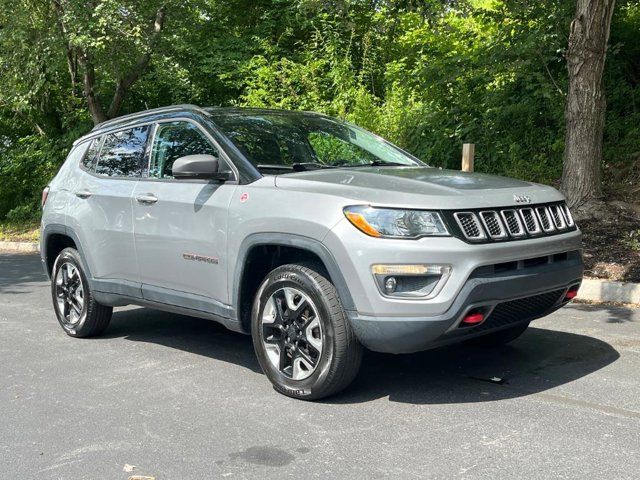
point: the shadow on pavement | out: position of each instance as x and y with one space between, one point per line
190 334
18 269
539 360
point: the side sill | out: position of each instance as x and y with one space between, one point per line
117 300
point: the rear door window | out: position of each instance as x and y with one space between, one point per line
123 153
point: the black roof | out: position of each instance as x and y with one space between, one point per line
148 113
192 109
188 110
247 171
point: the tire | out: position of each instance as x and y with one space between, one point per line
501 337
77 311
322 355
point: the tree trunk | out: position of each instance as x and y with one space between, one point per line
586 104
89 80
125 83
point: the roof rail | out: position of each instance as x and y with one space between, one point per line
144 113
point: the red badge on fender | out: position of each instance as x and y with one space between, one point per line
244 197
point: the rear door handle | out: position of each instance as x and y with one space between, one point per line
83 193
148 199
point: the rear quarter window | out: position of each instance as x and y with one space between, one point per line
123 153
91 157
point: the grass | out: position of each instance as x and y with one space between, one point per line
20 232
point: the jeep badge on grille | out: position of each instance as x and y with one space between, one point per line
522 198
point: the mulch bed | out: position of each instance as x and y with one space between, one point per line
612 247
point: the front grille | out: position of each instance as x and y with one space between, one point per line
492 223
558 217
512 266
470 226
519 310
567 215
530 221
510 223
545 219
514 225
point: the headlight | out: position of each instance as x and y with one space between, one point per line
395 223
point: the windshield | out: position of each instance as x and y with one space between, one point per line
281 143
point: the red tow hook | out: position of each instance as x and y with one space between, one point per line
472 318
572 293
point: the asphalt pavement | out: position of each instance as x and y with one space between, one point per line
174 397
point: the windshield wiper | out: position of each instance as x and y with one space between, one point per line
377 163
295 167
271 166
305 166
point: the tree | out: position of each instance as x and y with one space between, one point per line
120 21
427 74
586 103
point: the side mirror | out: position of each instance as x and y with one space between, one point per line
200 166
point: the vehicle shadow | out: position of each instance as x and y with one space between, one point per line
539 360
190 334
16 270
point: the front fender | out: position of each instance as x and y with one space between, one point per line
290 240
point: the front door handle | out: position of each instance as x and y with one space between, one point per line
83 193
148 199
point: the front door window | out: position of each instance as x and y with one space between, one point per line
174 140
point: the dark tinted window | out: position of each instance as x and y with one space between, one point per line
90 158
122 153
174 140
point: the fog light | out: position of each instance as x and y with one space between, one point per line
410 269
390 285
410 280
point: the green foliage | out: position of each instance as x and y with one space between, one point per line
632 240
487 72
26 165
428 75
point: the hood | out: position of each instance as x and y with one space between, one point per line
418 186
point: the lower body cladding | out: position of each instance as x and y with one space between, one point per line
493 298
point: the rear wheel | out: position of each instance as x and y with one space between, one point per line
78 313
501 337
302 338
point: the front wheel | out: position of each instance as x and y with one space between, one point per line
302 338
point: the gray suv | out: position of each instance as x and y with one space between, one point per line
311 234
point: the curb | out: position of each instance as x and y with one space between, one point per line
19 247
591 290
596 290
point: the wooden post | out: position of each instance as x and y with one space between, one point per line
468 152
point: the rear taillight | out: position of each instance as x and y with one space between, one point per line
45 194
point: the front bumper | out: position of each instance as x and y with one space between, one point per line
542 290
408 325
